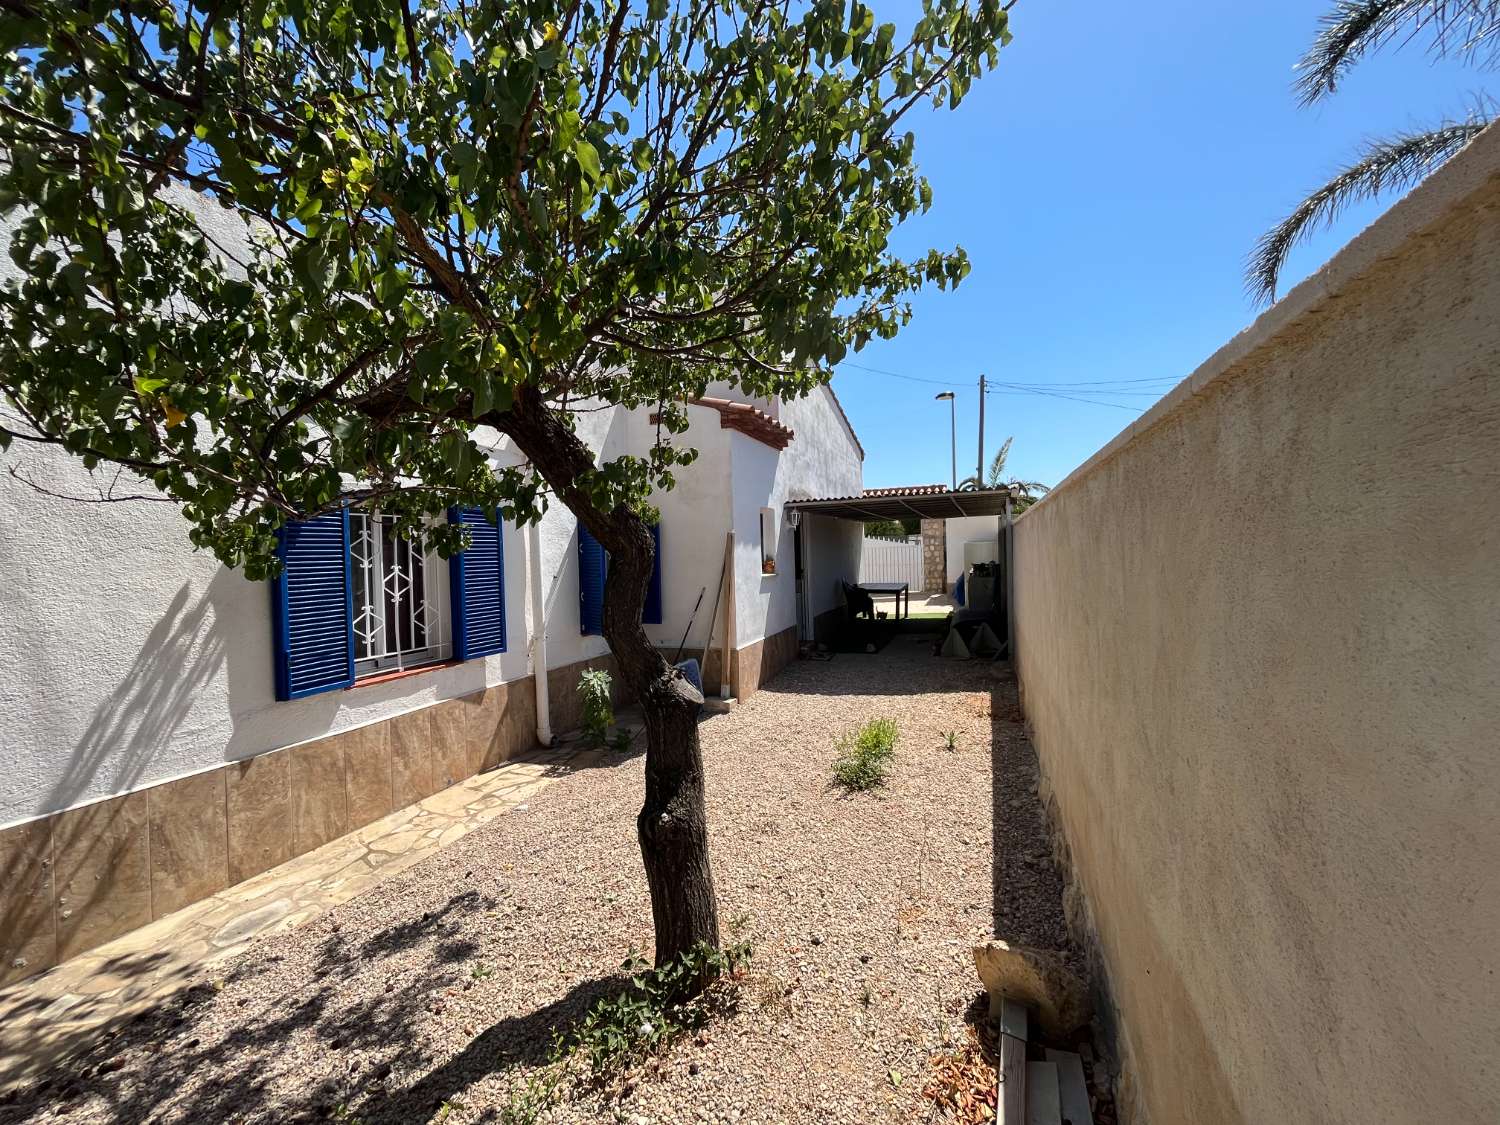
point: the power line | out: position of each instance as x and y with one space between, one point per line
1046 389
898 375
1065 384
1076 398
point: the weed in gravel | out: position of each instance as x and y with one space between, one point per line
769 994
481 971
950 741
626 1028
593 686
864 755
532 1096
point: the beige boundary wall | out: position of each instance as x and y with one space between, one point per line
1259 645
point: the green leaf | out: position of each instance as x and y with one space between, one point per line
588 160
456 452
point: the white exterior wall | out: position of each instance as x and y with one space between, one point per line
823 459
606 432
134 659
834 547
967 529
131 659
695 517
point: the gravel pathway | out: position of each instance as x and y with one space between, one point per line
434 994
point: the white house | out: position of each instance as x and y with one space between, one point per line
150 755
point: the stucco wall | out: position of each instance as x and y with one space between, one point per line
131 659
833 547
134 659
695 517
823 459
1259 645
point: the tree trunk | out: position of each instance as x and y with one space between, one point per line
673 824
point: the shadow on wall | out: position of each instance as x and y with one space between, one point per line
152 700
116 753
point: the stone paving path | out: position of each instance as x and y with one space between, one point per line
46 1017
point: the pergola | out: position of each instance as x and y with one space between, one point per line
926 501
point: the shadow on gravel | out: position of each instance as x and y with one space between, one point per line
403 935
130 1071
1028 898
522 1041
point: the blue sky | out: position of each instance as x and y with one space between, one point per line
1107 180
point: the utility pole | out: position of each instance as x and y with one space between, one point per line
979 472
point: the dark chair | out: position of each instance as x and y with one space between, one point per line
858 601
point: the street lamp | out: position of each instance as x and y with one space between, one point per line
952 431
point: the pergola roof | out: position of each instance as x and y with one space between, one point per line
927 501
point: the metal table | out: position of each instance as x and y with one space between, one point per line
900 589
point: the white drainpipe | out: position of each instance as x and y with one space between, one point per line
538 633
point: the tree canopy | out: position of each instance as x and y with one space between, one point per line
460 213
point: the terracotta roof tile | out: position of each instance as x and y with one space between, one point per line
747 419
908 490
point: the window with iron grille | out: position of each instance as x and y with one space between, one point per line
400 598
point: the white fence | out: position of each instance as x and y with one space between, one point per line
892 560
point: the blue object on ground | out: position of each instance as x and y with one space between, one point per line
691 673
958 590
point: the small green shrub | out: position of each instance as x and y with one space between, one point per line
950 741
864 755
626 1028
533 1096
593 686
622 741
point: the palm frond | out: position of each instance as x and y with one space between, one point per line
1467 29
1386 165
997 463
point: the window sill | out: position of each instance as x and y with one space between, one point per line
385 677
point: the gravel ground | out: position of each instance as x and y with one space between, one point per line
434 995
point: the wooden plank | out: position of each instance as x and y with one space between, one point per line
1072 1087
726 689
1013 1019
1012 1101
1043 1106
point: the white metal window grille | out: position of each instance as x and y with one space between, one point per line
400 598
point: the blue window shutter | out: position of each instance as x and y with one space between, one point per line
652 613
312 607
476 586
591 565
